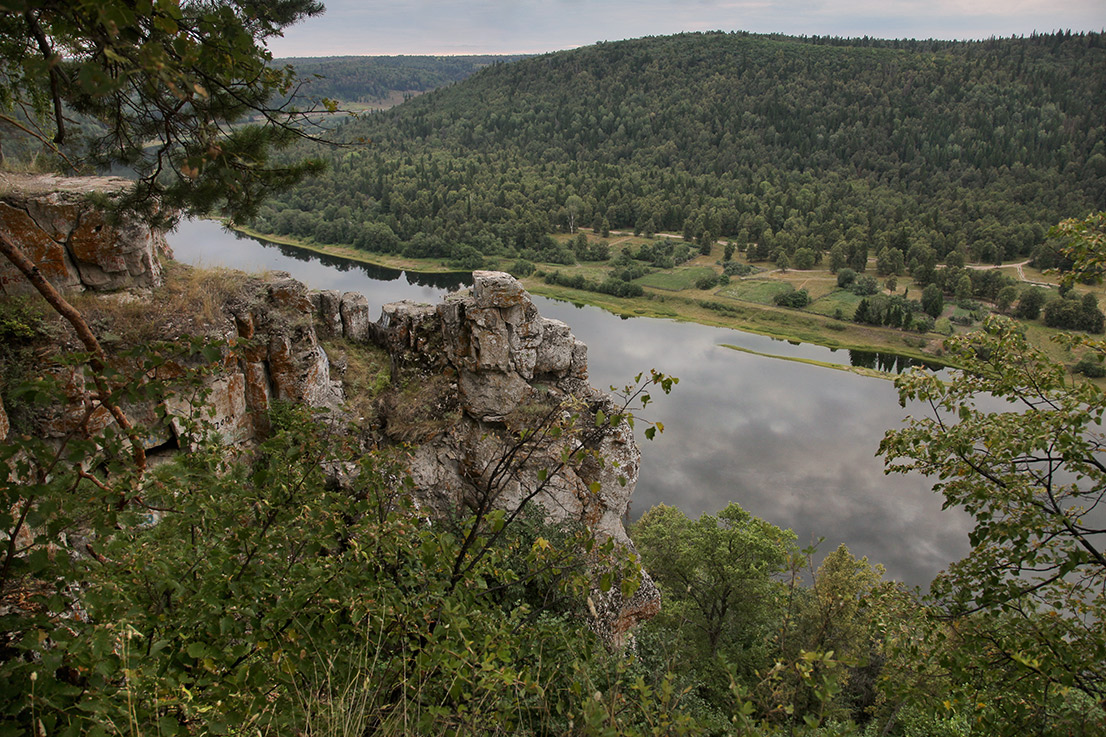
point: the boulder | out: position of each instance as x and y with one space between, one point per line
50 255
498 289
328 313
222 408
490 396
554 353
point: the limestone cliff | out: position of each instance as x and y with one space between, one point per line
472 380
53 221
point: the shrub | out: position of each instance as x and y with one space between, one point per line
1091 366
522 268
864 286
795 298
845 278
736 268
707 282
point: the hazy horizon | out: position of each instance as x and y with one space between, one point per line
479 27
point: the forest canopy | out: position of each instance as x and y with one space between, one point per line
774 142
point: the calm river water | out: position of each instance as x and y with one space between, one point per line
792 443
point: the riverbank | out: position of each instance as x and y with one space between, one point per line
702 307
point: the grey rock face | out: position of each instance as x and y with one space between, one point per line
328 313
51 219
354 311
515 370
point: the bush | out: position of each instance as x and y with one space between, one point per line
522 268
1091 366
864 286
1029 306
795 299
805 258
1074 314
736 268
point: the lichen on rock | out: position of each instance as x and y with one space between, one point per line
54 221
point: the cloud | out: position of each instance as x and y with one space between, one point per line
535 26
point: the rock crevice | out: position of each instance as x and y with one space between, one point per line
53 221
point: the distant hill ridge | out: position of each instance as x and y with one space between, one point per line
370 78
775 141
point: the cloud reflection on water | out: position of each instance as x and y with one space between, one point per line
792 443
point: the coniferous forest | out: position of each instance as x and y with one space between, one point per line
365 79
775 143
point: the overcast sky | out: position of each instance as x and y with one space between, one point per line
374 27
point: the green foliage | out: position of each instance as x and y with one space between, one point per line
1027 602
1075 314
1082 243
611 285
263 593
890 261
865 286
20 321
796 299
933 301
1006 298
1030 303
164 89
736 268
890 311
1091 366
522 268
778 144
373 78
707 282
228 591
716 579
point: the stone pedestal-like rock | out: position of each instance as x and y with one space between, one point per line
515 371
353 309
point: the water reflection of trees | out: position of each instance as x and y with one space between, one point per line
891 363
449 281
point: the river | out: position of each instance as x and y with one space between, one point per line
791 442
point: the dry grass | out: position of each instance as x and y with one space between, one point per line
191 302
366 373
420 408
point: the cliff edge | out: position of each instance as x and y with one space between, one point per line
489 399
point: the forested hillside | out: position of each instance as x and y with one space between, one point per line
370 78
777 143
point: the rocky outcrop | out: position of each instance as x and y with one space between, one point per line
270 350
53 221
491 398
513 376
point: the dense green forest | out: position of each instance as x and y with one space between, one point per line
369 78
775 143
